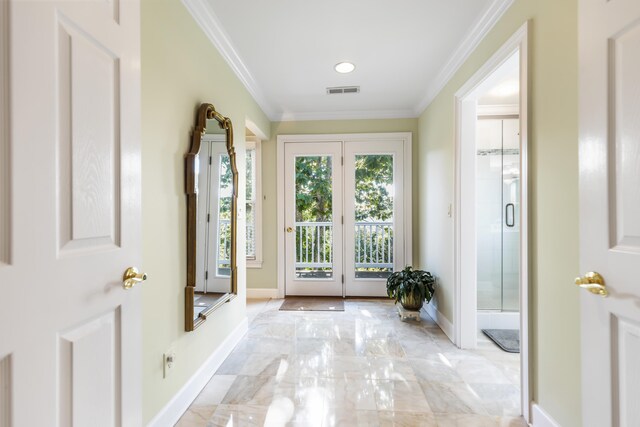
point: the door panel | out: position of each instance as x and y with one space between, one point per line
313 213
69 329
90 379
373 211
625 214
609 37
89 142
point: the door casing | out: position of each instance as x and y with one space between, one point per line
465 300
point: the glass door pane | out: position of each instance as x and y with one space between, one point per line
314 217
373 245
511 223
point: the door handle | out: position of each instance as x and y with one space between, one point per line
513 215
594 283
289 229
131 277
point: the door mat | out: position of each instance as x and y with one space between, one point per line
312 304
506 339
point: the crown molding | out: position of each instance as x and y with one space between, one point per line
478 32
348 115
206 18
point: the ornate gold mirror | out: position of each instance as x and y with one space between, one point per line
212 203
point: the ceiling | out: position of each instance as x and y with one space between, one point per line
284 51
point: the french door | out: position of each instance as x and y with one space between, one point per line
344 216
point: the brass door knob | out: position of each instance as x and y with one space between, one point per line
594 283
131 277
289 229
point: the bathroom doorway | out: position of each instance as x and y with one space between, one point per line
491 271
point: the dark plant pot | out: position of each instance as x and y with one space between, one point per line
411 301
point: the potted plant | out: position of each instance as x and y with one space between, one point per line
411 287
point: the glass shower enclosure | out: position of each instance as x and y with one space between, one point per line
498 214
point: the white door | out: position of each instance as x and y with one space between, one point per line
70 213
373 215
610 210
313 219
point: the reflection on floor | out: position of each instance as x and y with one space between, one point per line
360 367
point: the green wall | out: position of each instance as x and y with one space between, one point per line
180 70
553 142
266 277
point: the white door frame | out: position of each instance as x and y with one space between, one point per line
465 291
406 137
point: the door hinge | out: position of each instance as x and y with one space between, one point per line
342 161
210 159
343 278
206 275
208 217
342 219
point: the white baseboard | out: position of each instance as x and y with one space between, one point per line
262 293
540 418
442 321
172 411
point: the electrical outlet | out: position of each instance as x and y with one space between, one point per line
168 362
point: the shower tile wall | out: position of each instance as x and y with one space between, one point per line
498 171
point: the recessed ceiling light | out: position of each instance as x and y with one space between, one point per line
344 67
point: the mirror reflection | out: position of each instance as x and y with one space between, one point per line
213 247
211 192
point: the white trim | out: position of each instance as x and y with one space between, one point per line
252 263
407 137
499 110
255 129
173 410
440 319
478 32
465 306
348 115
498 320
256 143
262 293
205 17
202 12
5 138
539 418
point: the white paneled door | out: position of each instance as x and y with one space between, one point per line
70 334
610 211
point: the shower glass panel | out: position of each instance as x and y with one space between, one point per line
498 214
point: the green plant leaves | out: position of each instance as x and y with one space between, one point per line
409 281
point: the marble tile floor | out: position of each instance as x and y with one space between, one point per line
360 367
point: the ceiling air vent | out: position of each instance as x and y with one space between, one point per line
343 89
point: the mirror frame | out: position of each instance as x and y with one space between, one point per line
207 112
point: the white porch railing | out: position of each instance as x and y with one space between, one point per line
224 236
314 245
373 245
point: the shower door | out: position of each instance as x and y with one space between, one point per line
498 214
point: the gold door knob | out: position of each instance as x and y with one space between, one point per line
594 283
131 277
289 229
